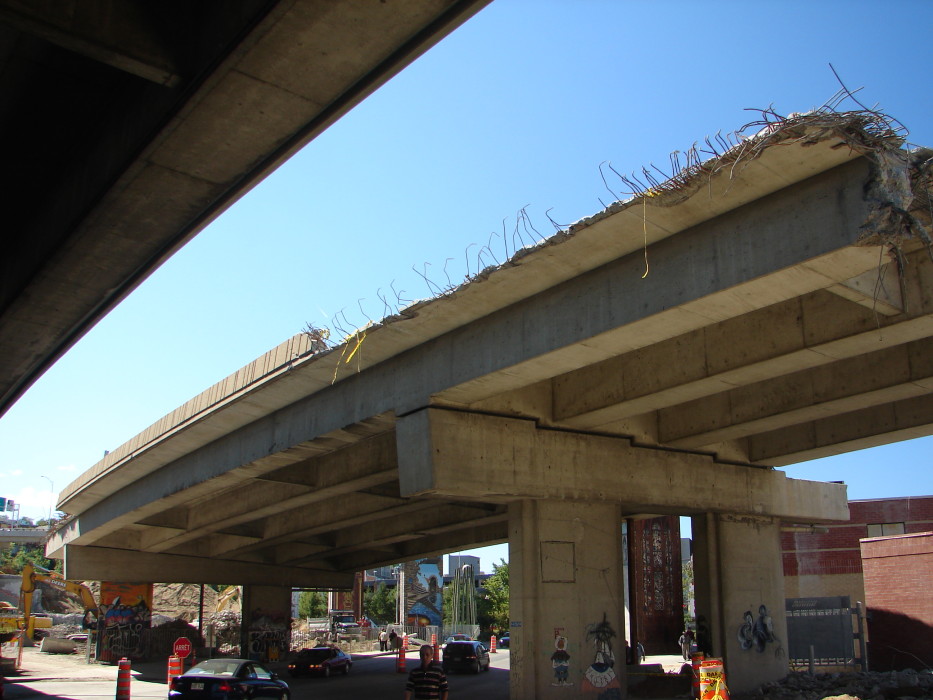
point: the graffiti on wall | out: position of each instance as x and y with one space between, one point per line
125 619
599 679
560 662
268 636
423 597
756 634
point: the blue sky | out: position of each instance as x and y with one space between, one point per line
518 107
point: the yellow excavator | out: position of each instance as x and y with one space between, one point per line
28 587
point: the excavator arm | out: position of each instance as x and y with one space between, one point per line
28 587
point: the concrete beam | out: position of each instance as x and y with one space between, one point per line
433 545
787 337
869 427
473 456
870 379
122 565
344 512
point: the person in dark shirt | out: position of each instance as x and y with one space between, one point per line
428 681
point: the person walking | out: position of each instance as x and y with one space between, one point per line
428 681
383 639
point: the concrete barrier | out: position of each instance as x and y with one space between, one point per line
50 645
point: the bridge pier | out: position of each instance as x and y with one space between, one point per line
265 632
739 586
565 577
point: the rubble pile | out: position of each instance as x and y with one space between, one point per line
872 685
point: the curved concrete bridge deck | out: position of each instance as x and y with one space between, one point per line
772 327
786 313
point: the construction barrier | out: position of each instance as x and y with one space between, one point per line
696 658
437 651
492 644
123 679
174 668
713 680
400 665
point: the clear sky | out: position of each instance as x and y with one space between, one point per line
518 107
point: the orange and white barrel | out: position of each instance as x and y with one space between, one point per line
123 679
492 644
174 668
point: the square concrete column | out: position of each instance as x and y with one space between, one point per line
567 606
265 632
739 582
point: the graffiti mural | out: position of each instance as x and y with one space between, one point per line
758 633
599 679
125 620
560 662
423 586
268 636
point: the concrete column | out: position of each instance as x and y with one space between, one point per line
565 576
265 632
740 596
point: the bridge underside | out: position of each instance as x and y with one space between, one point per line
786 314
128 126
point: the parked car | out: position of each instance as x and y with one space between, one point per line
504 642
456 638
320 660
228 679
465 656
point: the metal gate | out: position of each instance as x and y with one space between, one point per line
820 631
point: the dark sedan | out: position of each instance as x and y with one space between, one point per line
228 679
320 660
465 656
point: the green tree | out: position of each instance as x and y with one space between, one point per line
379 604
312 604
689 594
493 608
13 560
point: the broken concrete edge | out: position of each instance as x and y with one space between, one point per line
864 133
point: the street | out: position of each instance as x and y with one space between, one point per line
69 678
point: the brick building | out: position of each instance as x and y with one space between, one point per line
898 571
828 561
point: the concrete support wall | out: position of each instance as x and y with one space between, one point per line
266 629
566 587
740 597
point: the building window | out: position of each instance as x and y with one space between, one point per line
885 529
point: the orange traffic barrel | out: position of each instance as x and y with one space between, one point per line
123 679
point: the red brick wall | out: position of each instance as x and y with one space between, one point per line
837 551
898 572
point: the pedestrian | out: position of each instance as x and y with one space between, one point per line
383 639
428 681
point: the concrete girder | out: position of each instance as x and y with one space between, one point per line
790 336
118 37
345 511
205 475
253 501
433 545
124 565
866 380
869 427
466 455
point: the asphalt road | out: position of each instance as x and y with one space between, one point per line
69 678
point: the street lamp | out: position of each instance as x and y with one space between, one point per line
51 498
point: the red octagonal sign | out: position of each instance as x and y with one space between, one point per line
181 647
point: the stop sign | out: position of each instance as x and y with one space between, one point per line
182 647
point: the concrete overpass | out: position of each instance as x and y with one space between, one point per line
128 126
768 306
